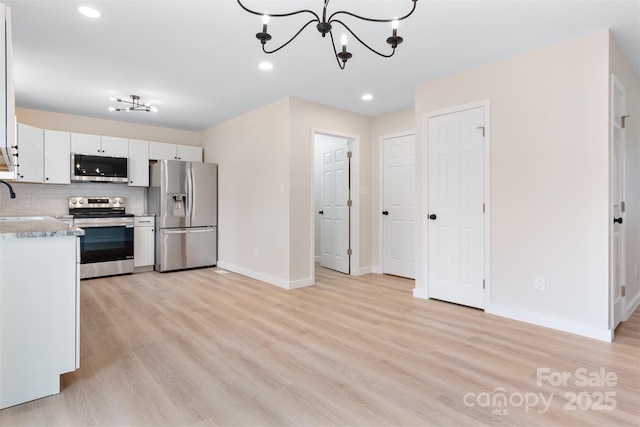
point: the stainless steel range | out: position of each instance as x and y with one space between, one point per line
106 248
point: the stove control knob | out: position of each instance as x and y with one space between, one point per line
73 201
81 201
117 201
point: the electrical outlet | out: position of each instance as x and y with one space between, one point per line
540 283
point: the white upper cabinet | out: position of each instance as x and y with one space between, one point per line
30 165
97 145
189 153
115 147
7 94
164 151
86 144
57 157
44 155
138 163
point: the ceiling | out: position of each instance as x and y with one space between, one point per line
197 60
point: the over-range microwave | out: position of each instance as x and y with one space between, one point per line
86 168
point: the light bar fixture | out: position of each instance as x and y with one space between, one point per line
325 25
133 105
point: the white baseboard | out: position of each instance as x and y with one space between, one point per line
421 293
281 283
631 307
377 269
363 271
551 322
317 258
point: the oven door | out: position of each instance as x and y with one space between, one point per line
106 247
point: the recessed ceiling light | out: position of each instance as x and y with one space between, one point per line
89 11
266 66
367 97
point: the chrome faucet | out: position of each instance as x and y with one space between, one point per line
12 195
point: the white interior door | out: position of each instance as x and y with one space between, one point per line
617 252
334 226
456 207
399 206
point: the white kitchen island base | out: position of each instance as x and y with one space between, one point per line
39 308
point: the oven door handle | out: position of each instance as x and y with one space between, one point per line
190 230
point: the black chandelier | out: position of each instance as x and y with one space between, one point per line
133 105
325 25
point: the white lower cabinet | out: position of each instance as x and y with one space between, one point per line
39 316
144 243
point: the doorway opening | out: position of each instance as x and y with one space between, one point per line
336 202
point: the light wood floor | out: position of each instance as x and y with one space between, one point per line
202 348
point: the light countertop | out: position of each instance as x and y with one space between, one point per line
36 226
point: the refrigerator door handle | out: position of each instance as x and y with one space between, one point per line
189 177
190 230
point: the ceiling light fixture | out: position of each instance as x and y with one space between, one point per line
266 66
367 97
325 25
134 104
89 11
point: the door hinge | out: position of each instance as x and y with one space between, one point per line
623 121
481 127
349 203
349 251
622 207
349 154
623 291
482 283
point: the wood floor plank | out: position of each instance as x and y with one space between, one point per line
201 348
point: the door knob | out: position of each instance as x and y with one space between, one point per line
385 212
321 212
618 220
432 216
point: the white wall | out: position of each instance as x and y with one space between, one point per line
266 181
549 180
252 151
307 117
629 78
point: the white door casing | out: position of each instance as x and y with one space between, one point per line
617 191
399 206
456 207
334 188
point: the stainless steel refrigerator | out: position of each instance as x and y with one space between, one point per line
184 198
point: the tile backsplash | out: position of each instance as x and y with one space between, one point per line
52 199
